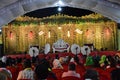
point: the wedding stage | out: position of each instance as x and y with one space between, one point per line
39 32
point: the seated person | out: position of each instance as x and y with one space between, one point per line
115 74
43 71
5 71
71 71
96 59
104 63
57 68
111 61
57 64
11 65
117 58
91 75
27 72
89 61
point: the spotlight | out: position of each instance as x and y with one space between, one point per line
59 9
0 31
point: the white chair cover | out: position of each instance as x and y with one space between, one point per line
84 51
47 48
75 49
33 51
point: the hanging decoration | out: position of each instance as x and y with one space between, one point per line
11 35
41 33
30 35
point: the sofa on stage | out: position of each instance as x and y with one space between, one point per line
60 46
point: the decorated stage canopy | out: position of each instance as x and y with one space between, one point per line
90 29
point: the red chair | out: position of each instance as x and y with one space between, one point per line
14 72
50 79
70 78
58 73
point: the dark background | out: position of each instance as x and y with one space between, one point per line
53 10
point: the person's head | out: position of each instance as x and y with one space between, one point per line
117 58
115 74
41 72
45 62
76 59
56 56
72 66
91 74
33 60
68 58
8 61
18 60
27 63
62 60
2 64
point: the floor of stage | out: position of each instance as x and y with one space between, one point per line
41 55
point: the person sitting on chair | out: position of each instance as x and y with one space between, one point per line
27 72
91 75
5 71
71 71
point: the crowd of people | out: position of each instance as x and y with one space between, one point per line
68 67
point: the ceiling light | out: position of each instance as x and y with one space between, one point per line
59 3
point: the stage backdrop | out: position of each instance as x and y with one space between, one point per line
91 29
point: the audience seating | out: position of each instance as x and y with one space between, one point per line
104 74
13 70
58 73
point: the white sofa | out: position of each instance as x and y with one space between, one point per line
60 46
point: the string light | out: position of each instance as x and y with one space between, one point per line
49 34
68 34
59 27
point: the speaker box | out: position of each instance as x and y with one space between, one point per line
1 50
118 26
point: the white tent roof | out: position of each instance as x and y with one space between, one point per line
10 9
